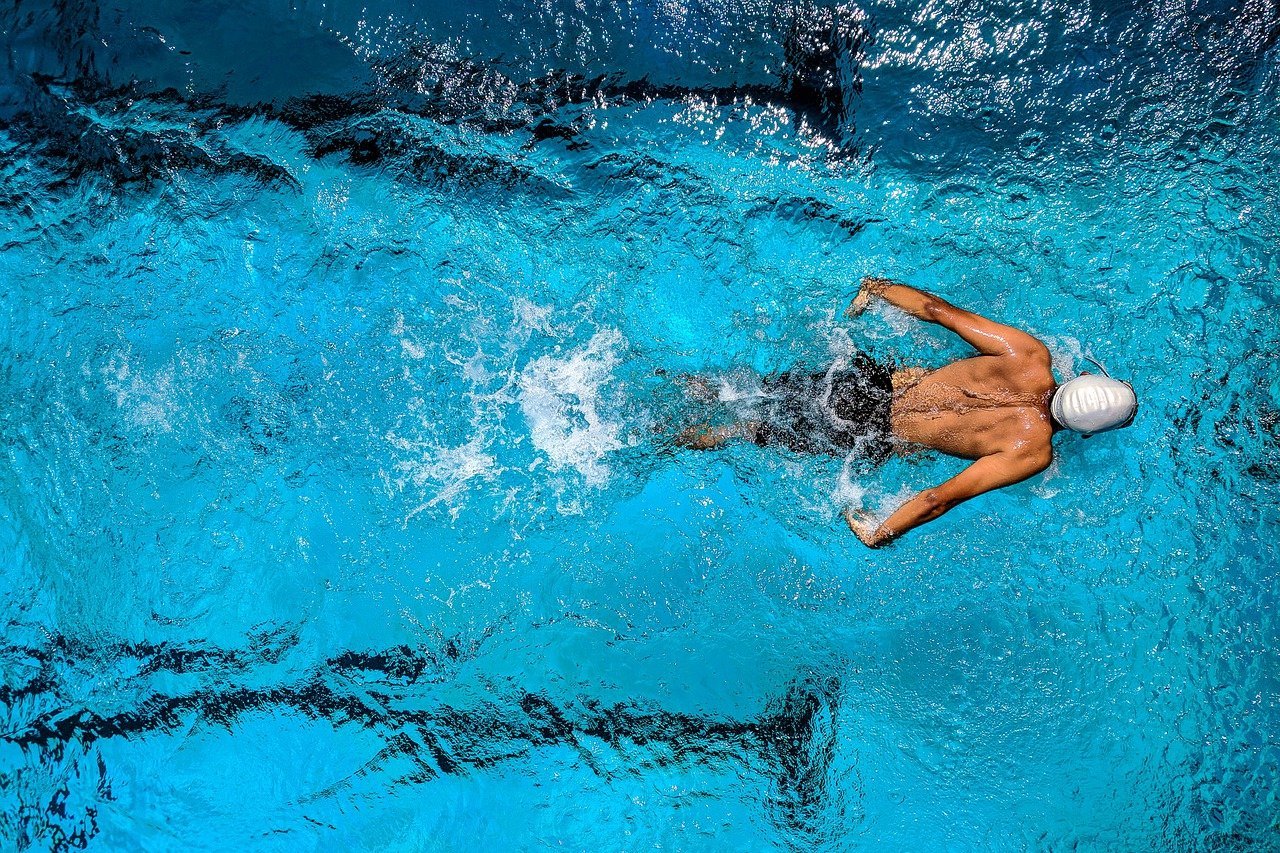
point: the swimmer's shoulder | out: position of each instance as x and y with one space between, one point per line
1031 441
1031 372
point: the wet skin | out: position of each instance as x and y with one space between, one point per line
976 407
992 408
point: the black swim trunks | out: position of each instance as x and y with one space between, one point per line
837 412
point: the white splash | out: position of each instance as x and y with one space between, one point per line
1066 353
449 471
531 316
409 342
852 494
738 388
840 345
848 492
1043 487
560 398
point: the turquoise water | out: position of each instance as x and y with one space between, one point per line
338 352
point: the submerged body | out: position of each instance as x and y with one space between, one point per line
839 411
995 408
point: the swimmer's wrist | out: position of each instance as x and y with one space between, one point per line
883 536
861 523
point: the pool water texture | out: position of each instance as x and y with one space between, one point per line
341 353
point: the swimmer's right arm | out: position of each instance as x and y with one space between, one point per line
986 336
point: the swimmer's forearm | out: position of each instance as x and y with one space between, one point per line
921 509
917 303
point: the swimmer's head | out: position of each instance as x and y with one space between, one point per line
1090 404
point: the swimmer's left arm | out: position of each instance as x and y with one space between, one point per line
988 473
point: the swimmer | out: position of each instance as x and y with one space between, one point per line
1000 408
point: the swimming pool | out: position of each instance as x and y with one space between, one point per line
338 354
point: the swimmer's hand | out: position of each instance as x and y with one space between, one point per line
863 526
869 287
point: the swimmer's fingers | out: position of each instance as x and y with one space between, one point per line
858 305
862 524
869 286
857 518
874 284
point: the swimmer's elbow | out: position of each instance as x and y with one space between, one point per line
1033 350
1035 462
936 502
935 308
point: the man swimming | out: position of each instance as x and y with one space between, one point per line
999 408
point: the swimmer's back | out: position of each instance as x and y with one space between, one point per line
978 406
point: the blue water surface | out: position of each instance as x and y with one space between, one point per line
341 345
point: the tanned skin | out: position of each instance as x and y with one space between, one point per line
992 408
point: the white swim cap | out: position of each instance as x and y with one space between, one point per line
1092 403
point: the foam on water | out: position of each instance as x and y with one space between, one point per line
562 399
148 401
449 470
